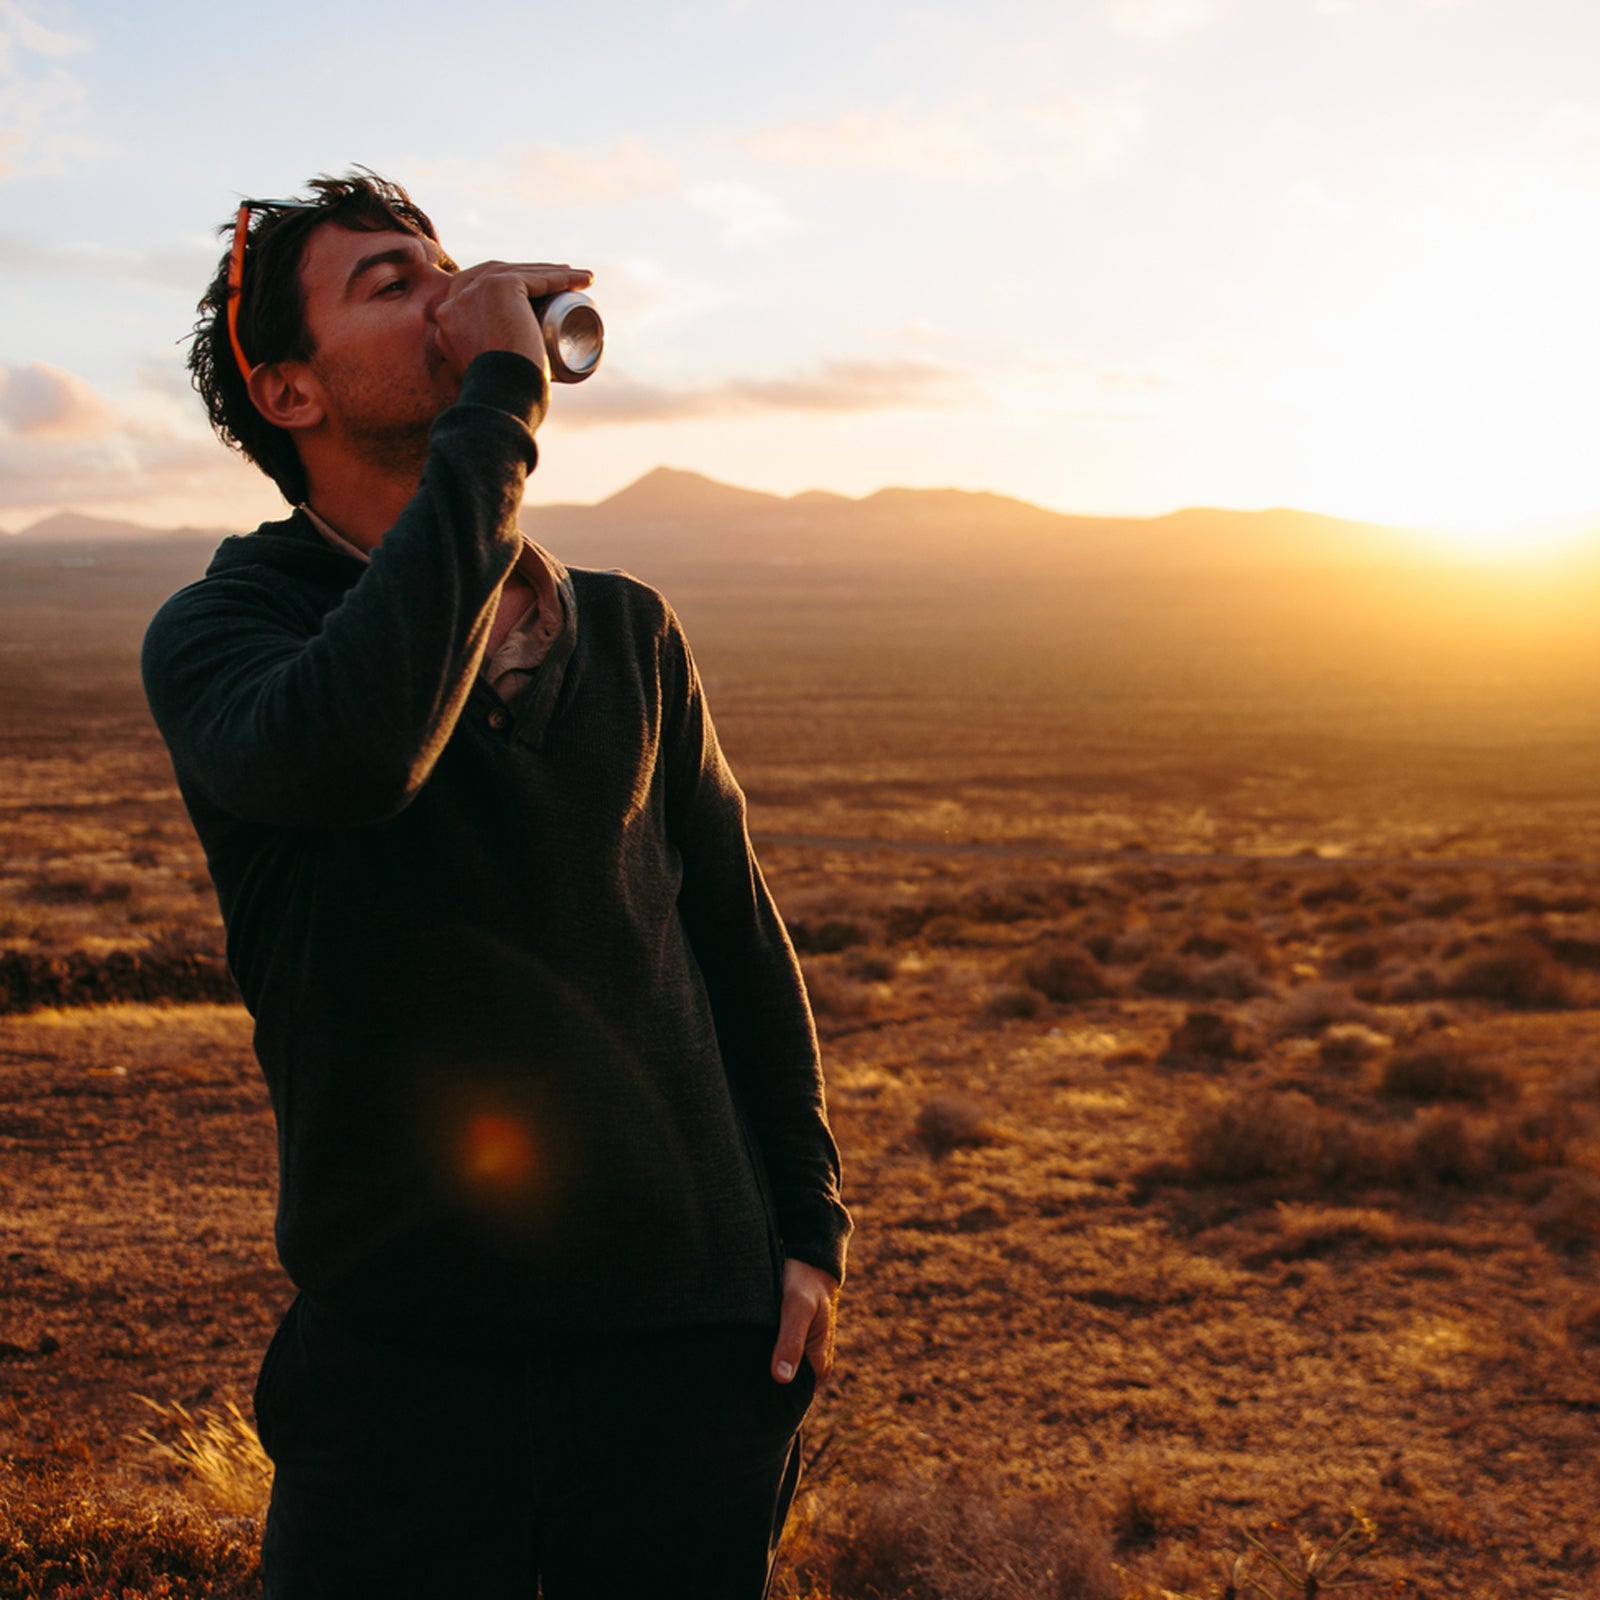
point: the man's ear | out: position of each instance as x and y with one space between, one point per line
288 395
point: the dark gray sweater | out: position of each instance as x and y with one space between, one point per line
536 1039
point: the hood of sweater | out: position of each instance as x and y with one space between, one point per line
293 547
296 548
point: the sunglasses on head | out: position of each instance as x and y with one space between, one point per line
241 237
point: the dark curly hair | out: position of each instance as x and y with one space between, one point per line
272 323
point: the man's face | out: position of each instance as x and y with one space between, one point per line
369 305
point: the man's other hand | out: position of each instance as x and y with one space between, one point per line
489 307
810 1308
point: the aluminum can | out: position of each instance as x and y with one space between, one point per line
574 335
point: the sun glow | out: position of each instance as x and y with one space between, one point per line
1438 371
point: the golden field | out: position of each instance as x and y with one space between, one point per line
1208 965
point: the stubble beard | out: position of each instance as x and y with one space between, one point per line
386 425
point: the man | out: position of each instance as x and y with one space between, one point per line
556 1182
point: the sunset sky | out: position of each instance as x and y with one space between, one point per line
1107 255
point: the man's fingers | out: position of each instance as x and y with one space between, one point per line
536 277
790 1349
489 307
805 1324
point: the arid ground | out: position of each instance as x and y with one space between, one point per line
1210 986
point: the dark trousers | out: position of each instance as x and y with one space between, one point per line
660 1464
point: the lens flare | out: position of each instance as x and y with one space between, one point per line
497 1153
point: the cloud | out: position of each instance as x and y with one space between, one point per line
1570 132
185 267
545 175
43 402
1070 141
552 177
751 218
21 27
837 388
40 101
1356 8
1163 22
62 443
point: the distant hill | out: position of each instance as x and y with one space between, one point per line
687 519
672 521
75 527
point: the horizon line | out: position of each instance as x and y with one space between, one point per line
1588 521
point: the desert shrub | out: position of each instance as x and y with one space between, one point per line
1145 1507
1130 945
1442 903
1013 903
1343 890
1544 1137
1250 1136
1568 1218
1573 945
826 936
1166 974
1362 956
957 1540
1442 1149
949 930
871 966
77 891
29 981
1203 1041
1231 977
1344 1045
833 996
949 1122
1540 896
1209 942
906 921
63 1541
1518 973
1011 1002
1315 1006
1272 1135
1066 974
1444 1071
1146 880
1399 984
1582 1321
1350 922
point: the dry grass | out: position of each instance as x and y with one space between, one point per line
967 1537
63 1540
218 1452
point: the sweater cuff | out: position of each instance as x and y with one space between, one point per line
823 1244
508 382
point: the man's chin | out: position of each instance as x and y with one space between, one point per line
396 450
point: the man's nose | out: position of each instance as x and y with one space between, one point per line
436 284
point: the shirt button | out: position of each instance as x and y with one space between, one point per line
499 718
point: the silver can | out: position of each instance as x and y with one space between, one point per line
574 335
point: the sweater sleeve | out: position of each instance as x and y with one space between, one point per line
305 721
764 1024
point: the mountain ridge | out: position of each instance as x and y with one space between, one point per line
698 519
